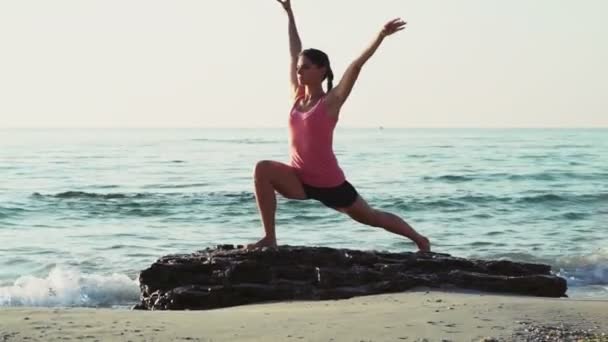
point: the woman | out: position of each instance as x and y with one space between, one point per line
314 172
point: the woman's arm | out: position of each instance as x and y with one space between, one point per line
339 94
295 44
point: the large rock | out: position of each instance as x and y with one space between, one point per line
228 276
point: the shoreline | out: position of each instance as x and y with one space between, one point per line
408 316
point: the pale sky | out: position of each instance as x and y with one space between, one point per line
149 63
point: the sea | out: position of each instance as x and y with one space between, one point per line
83 211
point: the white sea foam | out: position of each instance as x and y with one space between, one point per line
69 287
585 269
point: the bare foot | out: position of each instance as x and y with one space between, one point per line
424 245
264 242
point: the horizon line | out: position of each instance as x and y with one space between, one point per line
284 127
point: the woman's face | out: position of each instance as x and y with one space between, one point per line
309 73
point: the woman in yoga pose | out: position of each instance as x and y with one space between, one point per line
313 171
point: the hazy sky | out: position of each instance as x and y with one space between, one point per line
471 63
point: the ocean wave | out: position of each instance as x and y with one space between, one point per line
543 198
563 198
574 216
579 270
175 186
468 201
64 287
571 146
6 213
140 204
501 176
584 269
554 176
450 178
167 204
90 195
134 197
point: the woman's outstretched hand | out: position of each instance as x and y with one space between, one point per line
391 27
286 4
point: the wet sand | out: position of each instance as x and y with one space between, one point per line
410 316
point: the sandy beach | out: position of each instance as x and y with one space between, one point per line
412 316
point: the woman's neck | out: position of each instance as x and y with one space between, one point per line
313 92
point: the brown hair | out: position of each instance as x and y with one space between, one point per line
320 59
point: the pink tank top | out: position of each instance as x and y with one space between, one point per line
311 149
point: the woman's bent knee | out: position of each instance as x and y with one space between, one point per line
262 169
282 177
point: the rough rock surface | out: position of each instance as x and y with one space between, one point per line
228 276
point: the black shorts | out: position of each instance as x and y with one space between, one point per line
341 196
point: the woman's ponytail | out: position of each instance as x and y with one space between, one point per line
330 79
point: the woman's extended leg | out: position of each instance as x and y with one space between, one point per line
270 176
361 212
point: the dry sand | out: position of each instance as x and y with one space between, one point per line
409 316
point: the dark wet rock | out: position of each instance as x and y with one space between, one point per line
228 276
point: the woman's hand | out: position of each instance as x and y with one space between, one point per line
391 27
286 4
